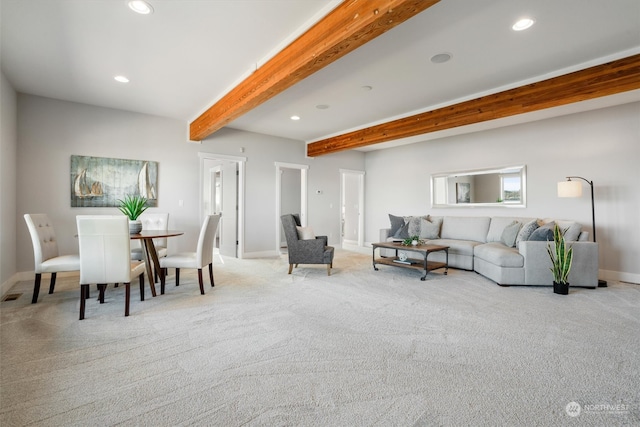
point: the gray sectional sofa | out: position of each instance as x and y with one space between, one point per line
507 250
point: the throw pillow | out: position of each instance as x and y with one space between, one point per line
305 233
428 229
510 233
544 233
403 232
525 231
414 225
396 224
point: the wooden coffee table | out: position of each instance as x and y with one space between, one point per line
416 263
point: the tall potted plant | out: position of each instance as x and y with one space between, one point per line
561 256
132 207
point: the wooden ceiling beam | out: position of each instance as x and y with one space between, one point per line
607 79
350 25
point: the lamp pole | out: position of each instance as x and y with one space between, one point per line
601 283
593 209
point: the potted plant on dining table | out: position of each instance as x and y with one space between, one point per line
133 207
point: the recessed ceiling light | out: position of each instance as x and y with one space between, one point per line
295 117
440 58
140 6
121 79
523 24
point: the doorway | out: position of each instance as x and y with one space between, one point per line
222 190
351 208
291 196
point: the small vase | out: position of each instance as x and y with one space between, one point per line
414 243
135 227
561 288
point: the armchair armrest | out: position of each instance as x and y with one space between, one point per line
324 239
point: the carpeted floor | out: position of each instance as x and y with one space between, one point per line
357 348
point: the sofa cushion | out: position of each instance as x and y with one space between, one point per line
526 231
396 224
498 254
543 233
459 247
430 229
510 233
465 228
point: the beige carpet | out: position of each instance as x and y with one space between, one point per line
358 348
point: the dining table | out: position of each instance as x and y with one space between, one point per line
150 254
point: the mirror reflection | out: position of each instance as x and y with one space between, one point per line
503 186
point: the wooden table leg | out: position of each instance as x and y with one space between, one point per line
151 256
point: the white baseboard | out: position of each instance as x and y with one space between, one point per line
263 254
619 276
4 287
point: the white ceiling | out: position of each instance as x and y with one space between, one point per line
189 53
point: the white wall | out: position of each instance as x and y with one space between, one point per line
8 156
50 131
600 145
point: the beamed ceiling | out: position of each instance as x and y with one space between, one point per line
357 72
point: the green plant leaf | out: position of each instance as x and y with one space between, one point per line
132 206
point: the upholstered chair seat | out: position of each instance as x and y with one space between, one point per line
45 252
203 256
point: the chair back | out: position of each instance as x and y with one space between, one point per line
43 237
105 251
289 223
156 221
204 252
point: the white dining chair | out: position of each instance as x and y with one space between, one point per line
152 221
202 257
45 252
105 256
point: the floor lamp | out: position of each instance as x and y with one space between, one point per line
570 188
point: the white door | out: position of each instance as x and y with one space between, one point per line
222 193
352 201
290 178
228 228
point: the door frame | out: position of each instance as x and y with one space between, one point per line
360 174
241 191
303 196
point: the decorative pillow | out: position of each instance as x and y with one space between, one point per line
430 227
510 233
403 232
305 233
570 229
414 225
526 230
429 230
396 224
544 233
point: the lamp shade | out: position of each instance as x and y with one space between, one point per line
570 189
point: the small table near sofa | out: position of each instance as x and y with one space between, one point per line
417 264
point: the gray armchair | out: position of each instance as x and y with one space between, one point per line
312 251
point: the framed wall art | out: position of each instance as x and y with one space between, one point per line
101 181
463 192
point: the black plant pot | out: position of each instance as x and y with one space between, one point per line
561 288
